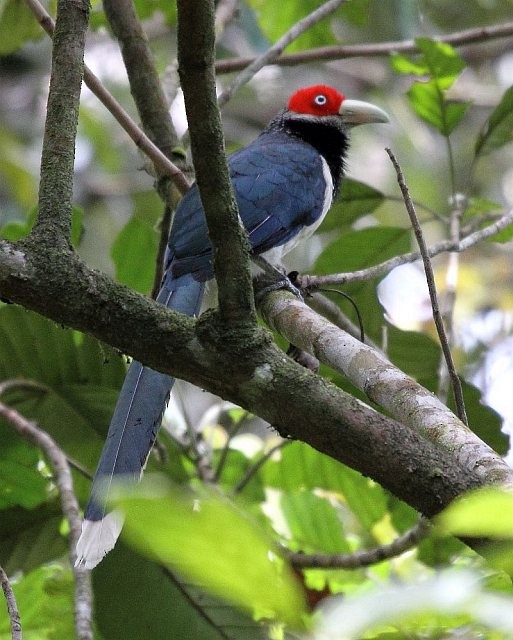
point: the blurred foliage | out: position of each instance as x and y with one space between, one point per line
452 116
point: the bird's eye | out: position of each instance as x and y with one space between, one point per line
320 100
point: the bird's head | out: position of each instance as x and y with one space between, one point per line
323 103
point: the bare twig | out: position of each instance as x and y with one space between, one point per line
314 283
31 432
258 464
364 558
451 284
456 39
275 51
226 449
430 278
12 606
161 162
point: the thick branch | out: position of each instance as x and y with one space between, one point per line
262 379
140 139
57 160
144 81
406 400
457 39
196 68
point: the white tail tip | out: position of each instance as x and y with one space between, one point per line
97 539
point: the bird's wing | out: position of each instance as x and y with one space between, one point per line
281 188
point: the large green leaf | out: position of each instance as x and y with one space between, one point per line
313 523
414 353
357 250
276 18
133 252
483 420
442 65
45 602
153 603
498 129
78 385
31 537
356 199
430 104
184 531
302 467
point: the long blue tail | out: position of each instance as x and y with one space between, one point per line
132 430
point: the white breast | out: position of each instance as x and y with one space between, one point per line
274 256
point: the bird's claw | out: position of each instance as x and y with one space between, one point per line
282 284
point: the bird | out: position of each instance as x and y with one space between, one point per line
284 183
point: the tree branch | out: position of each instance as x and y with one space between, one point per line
262 379
230 246
12 607
401 396
316 282
141 140
364 557
58 155
456 39
31 432
277 48
433 295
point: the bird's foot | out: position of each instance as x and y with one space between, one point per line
265 284
273 279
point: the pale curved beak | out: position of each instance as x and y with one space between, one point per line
356 112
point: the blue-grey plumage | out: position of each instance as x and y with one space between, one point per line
284 183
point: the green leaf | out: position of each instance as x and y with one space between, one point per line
483 420
475 514
17 26
428 101
14 231
313 523
356 199
153 603
498 129
276 18
31 537
45 602
357 250
183 531
414 353
133 253
479 206
438 60
302 467
442 61
78 385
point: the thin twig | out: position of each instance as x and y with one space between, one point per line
226 449
12 606
364 558
254 468
314 283
161 162
451 285
430 278
83 592
456 39
275 51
